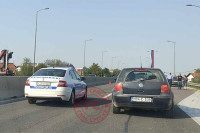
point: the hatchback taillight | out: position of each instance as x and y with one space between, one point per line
165 89
62 84
27 83
118 87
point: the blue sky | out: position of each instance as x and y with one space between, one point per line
126 29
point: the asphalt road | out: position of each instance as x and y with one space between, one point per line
55 116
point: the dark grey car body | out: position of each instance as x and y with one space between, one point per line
142 88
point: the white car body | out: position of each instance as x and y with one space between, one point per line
53 87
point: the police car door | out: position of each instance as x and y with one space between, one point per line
80 84
74 81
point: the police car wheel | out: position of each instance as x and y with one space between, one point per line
31 101
85 95
72 98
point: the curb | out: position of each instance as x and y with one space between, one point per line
12 100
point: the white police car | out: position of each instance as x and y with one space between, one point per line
55 83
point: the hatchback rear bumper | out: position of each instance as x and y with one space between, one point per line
159 102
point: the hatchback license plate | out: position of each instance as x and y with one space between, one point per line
141 99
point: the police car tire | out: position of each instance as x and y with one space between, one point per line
31 101
85 96
72 98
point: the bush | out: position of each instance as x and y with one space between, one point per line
196 80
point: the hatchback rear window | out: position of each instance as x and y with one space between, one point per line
50 72
128 75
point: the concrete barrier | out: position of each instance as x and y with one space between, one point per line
93 81
13 86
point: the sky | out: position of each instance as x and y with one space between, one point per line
126 29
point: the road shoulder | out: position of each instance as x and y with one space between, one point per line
191 106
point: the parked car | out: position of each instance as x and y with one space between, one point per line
174 81
142 88
55 83
92 75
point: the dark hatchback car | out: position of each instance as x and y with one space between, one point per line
142 88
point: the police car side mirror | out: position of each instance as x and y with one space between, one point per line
82 78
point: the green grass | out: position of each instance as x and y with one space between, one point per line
195 87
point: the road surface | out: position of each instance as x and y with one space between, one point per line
55 116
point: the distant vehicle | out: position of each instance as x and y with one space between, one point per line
55 84
174 81
142 88
92 75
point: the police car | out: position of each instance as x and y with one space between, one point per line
55 83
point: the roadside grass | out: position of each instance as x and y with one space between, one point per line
195 87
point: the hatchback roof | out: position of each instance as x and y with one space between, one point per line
143 68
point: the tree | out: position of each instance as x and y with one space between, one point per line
86 71
26 69
57 62
40 65
116 72
106 72
197 70
95 69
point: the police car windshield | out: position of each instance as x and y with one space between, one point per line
50 72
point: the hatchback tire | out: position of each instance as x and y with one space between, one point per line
116 110
170 113
31 101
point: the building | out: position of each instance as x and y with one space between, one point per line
11 67
190 76
19 68
80 71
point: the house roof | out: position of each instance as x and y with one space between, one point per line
11 66
195 74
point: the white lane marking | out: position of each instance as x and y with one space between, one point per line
107 95
191 106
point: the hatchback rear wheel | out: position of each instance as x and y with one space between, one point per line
116 110
170 113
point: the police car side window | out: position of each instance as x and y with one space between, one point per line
78 77
72 75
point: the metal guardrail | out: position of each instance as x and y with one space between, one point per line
194 84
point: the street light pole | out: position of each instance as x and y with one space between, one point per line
84 53
112 61
122 65
102 63
174 54
36 36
